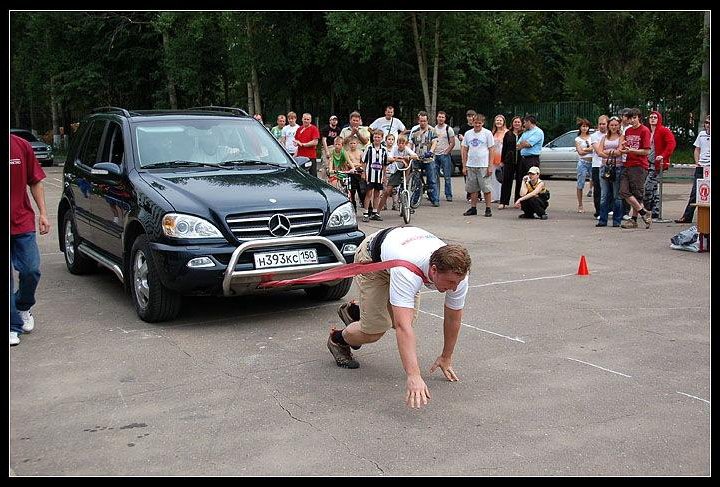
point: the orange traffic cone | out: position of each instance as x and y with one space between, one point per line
583 268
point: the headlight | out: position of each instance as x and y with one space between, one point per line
178 225
343 217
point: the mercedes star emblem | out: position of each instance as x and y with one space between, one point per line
279 225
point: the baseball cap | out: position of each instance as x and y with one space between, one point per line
534 170
333 116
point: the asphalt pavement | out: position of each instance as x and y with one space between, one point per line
560 374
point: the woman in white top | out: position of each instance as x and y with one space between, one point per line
584 148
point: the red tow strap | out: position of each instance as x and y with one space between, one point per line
347 270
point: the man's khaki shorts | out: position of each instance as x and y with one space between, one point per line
375 308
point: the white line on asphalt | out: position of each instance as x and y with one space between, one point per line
475 328
511 282
53 184
597 366
123 398
694 397
53 253
58 180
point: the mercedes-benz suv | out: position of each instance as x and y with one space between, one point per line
199 201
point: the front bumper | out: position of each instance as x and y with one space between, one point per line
233 271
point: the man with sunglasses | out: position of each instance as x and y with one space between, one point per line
702 159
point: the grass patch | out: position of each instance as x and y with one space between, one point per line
683 155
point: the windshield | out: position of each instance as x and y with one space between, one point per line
207 142
24 134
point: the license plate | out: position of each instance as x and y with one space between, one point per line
287 258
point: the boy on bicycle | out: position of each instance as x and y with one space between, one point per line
399 158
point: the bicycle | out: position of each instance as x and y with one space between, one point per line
345 183
410 194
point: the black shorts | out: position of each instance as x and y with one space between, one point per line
378 186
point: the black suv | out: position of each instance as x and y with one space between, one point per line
199 201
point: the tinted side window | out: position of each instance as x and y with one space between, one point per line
114 148
91 149
26 135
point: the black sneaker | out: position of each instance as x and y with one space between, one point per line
365 218
523 215
342 354
470 211
376 217
488 211
544 216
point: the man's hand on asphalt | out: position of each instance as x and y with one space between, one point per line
445 365
417 393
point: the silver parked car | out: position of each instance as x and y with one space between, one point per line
43 152
558 158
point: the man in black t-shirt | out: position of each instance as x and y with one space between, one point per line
328 134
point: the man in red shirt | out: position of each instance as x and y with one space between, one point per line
25 171
636 148
306 139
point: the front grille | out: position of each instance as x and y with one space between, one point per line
251 226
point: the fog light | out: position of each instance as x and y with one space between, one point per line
349 248
200 262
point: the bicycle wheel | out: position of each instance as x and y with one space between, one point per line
415 187
405 206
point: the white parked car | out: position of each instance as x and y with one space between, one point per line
558 158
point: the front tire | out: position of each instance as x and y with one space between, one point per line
405 207
416 190
77 263
330 293
153 301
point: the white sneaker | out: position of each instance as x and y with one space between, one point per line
626 217
28 321
610 213
14 338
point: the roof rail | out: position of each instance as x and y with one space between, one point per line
109 109
236 111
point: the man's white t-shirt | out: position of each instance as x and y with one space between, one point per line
289 134
393 125
478 144
703 142
415 245
595 137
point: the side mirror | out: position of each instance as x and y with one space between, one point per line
106 169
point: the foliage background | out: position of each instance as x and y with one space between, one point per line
63 64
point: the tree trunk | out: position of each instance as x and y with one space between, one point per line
256 89
422 63
32 115
436 64
251 98
172 90
55 112
705 79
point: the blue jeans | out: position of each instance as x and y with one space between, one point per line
610 196
25 258
444 162
690 209
584 170
432 181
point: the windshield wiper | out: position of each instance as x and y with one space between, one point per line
179 164
253 162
